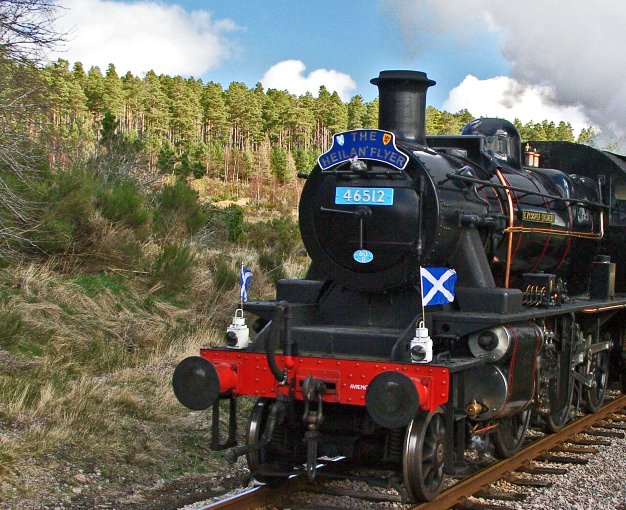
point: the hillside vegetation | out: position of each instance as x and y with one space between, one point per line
126 207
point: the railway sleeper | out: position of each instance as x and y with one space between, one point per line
609 425
604 433
364 495
540 470
589 442
558 459
475 505
526 482
490 493
574 449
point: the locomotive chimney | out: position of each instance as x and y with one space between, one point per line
402 103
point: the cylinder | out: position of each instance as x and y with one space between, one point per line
402 103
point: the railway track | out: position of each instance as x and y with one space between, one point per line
466 488
456 496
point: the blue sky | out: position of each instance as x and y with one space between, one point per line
357 38
507 58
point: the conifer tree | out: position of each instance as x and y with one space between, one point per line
95 91
113 94
357 113
133 91
371 117
214 114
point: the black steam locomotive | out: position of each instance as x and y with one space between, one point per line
347 365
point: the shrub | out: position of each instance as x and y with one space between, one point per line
178 208
282 236
123 202
271 261
225 276
173 267
305 159
280 165
66 211
233 217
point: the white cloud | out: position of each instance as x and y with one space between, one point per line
509 99
143 36
575 47
289 75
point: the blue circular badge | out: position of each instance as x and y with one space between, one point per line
363 256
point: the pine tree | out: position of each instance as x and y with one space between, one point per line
133 91
71 122
331 116
303 121
185 113
587 135
371 117
245 115
94 89
214 114
156 116
564 132
278 114
113 95
434 123
357 113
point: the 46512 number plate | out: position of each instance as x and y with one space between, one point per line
363 196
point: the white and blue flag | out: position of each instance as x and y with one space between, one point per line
437 285
244 282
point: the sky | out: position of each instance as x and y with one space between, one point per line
526 59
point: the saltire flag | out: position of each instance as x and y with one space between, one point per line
244 282
437 285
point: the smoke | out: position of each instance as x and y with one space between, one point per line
574 48
509 99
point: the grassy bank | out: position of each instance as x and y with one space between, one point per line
90 334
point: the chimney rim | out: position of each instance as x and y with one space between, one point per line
405 75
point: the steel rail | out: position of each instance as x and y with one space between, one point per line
246 500
493 473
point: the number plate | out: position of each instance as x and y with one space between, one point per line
364 196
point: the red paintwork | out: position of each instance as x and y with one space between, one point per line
346 380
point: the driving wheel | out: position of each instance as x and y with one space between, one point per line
423 456
510 434
597 369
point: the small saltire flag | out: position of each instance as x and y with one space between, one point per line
244 282
437 285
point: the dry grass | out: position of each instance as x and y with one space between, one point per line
98 357
86 362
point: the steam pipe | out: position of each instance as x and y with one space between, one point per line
272 341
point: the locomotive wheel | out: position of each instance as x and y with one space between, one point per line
599 371
256 425
559 412
422 462
510 434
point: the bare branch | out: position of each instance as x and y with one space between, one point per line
27 28
26 32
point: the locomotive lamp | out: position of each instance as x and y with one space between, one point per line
421 348
238 333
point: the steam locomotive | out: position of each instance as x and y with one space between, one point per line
346 364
